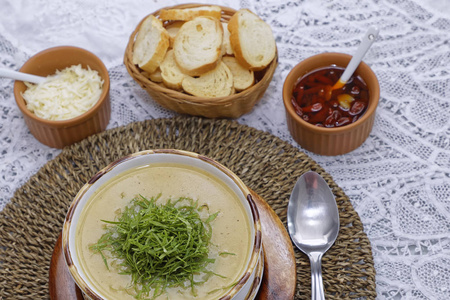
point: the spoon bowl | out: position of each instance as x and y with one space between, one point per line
313 223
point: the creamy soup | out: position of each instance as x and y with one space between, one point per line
230 230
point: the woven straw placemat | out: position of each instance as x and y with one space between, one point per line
31 222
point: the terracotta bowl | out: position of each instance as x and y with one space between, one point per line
330 141
83 218
58 134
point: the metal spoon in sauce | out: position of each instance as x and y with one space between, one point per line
21 76
313 223
366 42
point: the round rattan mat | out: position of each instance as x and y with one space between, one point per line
31 222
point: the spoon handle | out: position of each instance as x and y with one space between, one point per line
21 76
367 41
317 292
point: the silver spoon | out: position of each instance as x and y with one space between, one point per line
21 76
313 223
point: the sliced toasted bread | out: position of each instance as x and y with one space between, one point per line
155 76
215 83
198 45
173 29
170 73
226 46
252 40
242 78
187 14
151 44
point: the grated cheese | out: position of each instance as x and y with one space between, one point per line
64 95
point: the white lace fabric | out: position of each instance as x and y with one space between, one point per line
398 180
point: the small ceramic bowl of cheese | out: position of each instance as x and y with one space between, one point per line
164 224
72 103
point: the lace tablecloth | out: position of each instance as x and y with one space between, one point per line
398 180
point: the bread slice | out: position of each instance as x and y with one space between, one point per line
215 83
155 76
198 45
242 78
187 14
151 44
226 46
170 73
173 29
252 40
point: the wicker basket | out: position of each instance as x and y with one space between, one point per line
221 107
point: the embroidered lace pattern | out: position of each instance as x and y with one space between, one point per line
398 180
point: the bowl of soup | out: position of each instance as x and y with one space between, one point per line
164 224
323 117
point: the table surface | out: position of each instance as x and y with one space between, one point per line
398 180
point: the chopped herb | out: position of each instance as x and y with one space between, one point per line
160 246
226 253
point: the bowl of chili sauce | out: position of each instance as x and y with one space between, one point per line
327 120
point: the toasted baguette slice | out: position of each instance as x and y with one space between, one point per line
187 14
198 45
242 78
215 83
151 44
173 29
226 46
170 73
252 40
155 76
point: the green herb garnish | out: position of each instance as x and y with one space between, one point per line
160 246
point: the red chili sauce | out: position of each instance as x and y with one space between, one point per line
316 102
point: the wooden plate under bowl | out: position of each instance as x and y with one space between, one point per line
279 279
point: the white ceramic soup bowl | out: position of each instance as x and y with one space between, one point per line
247 278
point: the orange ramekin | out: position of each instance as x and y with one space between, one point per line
58 134
337 140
